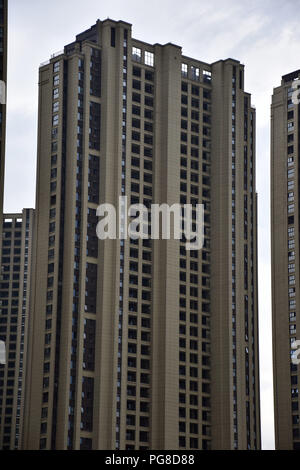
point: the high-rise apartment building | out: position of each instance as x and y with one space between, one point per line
3 78
285 260
15 276
140 344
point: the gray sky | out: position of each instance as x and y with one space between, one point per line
265 36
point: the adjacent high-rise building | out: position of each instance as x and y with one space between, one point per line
15 276
140 344
285 259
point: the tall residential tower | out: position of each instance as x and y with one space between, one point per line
285 260
15 276
140 344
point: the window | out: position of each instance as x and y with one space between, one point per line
292 292
55 107
291 244
291 256
130 435
136 84
206 76
292 304
136 54
148 114
135 148
184 70
136 97
149 58
148 101
55 93
291 196
55 120
54 133
136 136
56 67
290 161
136 123
293 314
184 87
195 73
113 37
136 110
148 126
291 208
149 75
56 80
184 112
293 329
184 99
195 115
136 71
195 127
195 103
195 90
53 186
295 392
43 444
291 268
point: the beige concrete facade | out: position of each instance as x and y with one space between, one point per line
142 344
285 260
16 257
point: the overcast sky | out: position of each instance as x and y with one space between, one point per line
264 35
